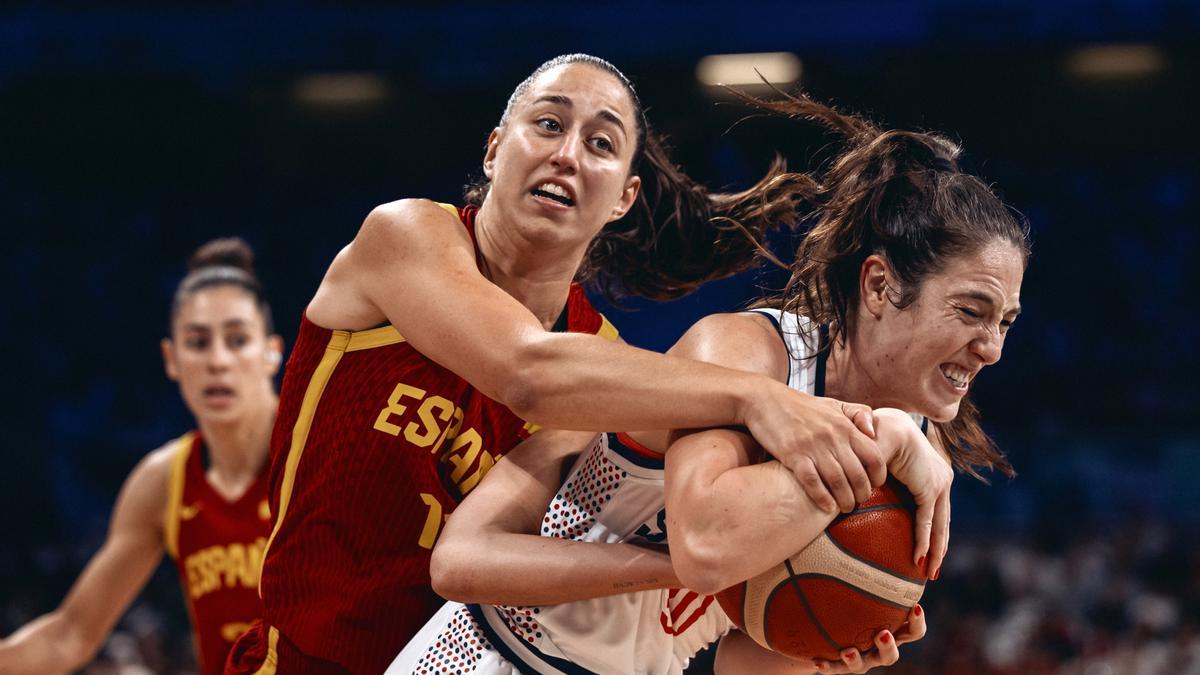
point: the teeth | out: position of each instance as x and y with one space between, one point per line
960 378
556 190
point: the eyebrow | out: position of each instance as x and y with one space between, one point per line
987 299
559 99
228 323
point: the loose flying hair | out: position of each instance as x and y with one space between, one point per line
227 261
898 194
677 235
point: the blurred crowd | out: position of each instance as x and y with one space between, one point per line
1078 599
1088 562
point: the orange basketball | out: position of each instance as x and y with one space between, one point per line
851 582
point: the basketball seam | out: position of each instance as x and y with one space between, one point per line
856 589
871 563
868 509
812 616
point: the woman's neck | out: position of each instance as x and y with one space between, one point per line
848 378
536 276
850 372
238 449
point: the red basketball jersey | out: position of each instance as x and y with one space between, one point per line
217 546
374 446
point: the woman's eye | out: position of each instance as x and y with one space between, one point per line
603 144
967 311
237 341
198 344
549 124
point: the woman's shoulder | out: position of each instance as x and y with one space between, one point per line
413 212
743 340
156 466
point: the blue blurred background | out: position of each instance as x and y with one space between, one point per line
131 132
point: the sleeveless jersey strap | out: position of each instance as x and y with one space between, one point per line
179 458
823 349
466 215
778 329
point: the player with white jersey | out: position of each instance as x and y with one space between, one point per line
613 493
901 293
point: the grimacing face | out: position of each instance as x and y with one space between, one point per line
220 354
922 358
560 166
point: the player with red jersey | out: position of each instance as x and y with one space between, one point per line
372 450
217 543
399 441
202 497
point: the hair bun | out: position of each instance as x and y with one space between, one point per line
224 252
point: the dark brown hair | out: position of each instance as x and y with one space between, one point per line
898 194
677 235
227 261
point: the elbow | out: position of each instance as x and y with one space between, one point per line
702 563
528 384
448 574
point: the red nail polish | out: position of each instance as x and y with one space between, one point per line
918 611
848 655
887 637
935 574
921 561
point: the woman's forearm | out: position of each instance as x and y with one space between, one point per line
532 570
48 644
741 524
575 381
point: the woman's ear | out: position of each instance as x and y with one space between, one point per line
489 152
873 284
628 196
168 354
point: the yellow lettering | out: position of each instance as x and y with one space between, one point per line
471 439
395 408
432 428
433 521
193 576
235 565
486 462
213 558
220 566
451 430
232 631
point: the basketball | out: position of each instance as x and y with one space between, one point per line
856 579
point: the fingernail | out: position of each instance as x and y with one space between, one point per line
935 574
918 611
921 561
819 664
849 655
887 637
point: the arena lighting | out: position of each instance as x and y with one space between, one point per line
739 69
1116 61
340 90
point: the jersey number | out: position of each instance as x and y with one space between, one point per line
433 521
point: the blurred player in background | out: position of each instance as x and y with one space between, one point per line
202 497
439 336
901 293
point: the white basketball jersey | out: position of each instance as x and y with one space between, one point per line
614 493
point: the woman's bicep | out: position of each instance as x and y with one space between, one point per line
415 263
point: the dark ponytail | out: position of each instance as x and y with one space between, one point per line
898 194
223 262
677 235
